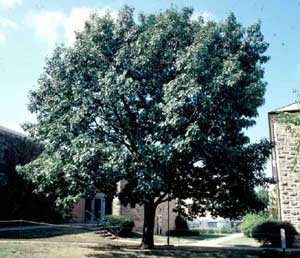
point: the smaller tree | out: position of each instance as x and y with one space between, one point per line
263 198
249 221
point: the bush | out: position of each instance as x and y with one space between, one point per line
268 233
228 230
183 232
250 221
118 225
182 228
181 223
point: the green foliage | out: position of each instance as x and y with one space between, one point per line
249 221
263 198
209 231
182 228
118 225
17 197
18 201
268 232
15 150
224 230
228 230
144 101
181 223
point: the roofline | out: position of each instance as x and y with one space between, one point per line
276 111
13 132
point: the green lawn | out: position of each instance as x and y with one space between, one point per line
82 243
67 250
71 234
36 249
242 241
65 234
180 240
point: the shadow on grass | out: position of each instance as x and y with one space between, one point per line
123 251
42 233
137 235
205 236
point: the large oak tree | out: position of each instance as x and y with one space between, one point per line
162 103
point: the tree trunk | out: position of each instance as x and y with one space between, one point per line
148 228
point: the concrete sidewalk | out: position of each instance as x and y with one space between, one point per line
216 241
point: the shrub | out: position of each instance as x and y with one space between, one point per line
208 231
183 232
181 223
182 228
268 233
250 221
118 225
228 230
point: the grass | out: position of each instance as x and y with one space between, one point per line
83 243
72 234
64 234
241 241
62 250
180 239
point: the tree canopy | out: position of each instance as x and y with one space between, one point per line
161 102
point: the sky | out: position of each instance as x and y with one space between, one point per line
30 29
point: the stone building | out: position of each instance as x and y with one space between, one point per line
285 166
93 211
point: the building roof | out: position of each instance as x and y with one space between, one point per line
289 108
12 132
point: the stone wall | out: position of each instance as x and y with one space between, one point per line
161 217
137 215
286 170
78 211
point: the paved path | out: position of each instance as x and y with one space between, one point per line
216 241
